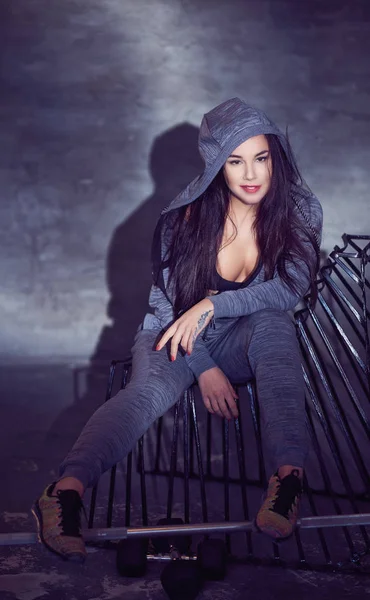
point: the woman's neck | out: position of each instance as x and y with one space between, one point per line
242 215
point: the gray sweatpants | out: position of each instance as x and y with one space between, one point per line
262 345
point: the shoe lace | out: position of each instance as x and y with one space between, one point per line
288 491
71 505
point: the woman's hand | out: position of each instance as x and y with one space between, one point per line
186 329
218 394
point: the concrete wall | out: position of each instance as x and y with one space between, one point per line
99 105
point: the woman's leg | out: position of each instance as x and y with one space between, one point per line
109 435
155 385
265 345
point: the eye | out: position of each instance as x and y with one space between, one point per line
234 162
262 158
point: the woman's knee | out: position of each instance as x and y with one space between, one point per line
145 341
273 320
146 362
272 333
274 348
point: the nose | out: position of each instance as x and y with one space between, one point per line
249 173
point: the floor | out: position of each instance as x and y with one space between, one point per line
29 456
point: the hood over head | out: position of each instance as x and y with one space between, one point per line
222 130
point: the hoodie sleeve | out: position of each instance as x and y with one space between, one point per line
200 359
274 293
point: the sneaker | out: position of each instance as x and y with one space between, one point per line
59 523
278 514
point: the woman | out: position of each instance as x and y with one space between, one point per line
231 254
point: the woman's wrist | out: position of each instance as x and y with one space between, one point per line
208 304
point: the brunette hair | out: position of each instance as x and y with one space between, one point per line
282 235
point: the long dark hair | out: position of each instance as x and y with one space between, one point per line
196 233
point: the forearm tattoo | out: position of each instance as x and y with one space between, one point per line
200 324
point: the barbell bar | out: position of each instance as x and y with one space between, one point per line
119 533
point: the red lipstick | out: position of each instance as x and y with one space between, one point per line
251 189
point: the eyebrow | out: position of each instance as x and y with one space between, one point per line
237 155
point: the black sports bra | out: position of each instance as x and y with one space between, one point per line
223 285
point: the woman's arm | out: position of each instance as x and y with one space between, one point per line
274 293
199 360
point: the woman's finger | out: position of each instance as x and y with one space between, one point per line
175 342
233 392
215 406
230 396
233 407
207 404
224 408
185 340
166 336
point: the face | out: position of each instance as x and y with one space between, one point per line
248 171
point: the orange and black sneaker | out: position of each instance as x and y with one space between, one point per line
58 519
278 514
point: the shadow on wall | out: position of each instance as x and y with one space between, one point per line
174 162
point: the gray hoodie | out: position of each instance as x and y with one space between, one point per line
222 130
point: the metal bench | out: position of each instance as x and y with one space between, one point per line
216 470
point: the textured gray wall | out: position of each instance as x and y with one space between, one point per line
99 103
